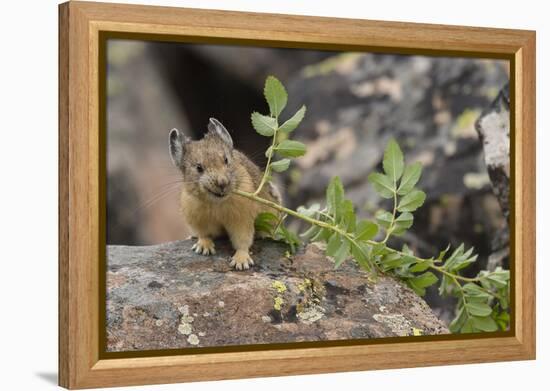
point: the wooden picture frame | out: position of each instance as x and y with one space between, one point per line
82 161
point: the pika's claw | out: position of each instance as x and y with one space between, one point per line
241 260
204 246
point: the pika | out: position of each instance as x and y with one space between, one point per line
212 168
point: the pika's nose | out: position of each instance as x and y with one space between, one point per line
222 183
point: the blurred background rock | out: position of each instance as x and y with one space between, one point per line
355 103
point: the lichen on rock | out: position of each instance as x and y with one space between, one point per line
204 303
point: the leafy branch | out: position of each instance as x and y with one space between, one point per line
268 125
482 301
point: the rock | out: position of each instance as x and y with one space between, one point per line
357 101
166 296
493 127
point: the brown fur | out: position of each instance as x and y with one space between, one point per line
210 216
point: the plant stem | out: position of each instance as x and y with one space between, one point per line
443 271
324 214
267 170
461 294
390 228
348 236
281 219
310 220
280 208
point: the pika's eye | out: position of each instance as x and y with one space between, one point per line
199 168
225 160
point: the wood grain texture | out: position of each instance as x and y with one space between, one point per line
63 309
79 201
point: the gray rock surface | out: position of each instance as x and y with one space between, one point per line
166 296
493 127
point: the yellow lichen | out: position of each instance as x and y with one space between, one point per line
304 285
278 303
417 332
279 286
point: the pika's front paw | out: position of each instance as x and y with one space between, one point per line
241 260
204 246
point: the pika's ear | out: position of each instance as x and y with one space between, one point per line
216 128
177 146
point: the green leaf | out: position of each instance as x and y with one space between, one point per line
406 250
311 232
462 264
393 161
402 223
411 201
417 289
421 266
335 197
503 301
288 237
263 124
478 309
276 95
484 323
411 175
294 121
443 252
266 222
365 230
384 218
341 254
333 244
503 320
468 326
446 284
322 236
472 290
379 249
391 261
499 278
290 148
361 253
449 263
383 184
425 280
457 323
281 165
347 219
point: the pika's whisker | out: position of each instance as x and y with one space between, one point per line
154 199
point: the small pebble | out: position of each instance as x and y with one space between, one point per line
159 322
266 319
206 314
221 304
202 333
